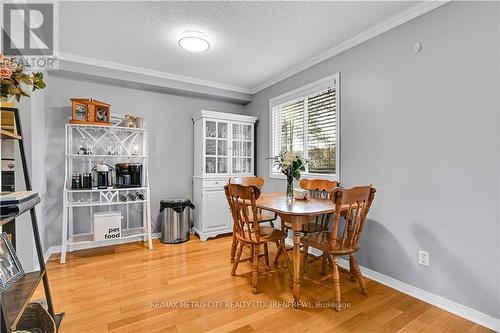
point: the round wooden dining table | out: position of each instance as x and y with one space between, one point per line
297 212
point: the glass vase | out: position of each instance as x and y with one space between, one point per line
289 189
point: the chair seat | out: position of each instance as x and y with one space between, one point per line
324 242
270 234
267 234
262 217
308 228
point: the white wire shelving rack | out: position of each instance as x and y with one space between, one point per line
109 145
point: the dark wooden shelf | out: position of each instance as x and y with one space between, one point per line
14 300
8 125
18 295
6 220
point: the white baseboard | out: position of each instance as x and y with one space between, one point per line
423 295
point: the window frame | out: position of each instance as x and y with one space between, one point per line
301 93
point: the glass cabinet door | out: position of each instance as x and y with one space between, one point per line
211 129
242 149
216 147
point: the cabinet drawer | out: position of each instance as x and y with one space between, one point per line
214 182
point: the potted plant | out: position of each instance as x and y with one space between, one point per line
291 165
16 81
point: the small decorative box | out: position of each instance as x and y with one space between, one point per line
300 194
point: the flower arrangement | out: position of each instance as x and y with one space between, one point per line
291 165
16 81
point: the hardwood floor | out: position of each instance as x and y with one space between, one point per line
175 288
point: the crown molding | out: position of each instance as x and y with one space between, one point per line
224 116
149 72
375 31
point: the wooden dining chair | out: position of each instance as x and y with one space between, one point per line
262 216
240 198
343 239
318 188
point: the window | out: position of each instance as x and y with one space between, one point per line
306 122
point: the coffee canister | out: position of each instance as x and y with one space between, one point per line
87 180
102 176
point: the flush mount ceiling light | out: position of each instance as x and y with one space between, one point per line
193 41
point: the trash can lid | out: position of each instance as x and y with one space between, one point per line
175 200
175 203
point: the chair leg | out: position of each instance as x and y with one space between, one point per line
306 259
351 268
323 263
287 259
255 270
336 284
278 253
233 248
285 230
266 254
237 258
357 272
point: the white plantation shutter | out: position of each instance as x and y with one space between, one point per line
322 132
288 128
305 123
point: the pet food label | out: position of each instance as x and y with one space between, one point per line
112 233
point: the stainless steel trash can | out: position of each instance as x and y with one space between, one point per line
176 220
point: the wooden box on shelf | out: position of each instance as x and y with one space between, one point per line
8 128
89 111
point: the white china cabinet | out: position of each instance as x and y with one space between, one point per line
224 146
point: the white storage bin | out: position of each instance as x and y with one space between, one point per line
107 225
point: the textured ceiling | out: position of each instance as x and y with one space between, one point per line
251 41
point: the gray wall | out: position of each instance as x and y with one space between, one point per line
424 129
170 139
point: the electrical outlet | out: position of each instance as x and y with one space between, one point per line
423 258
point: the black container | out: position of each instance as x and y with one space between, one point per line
87 181
76 181
103 181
